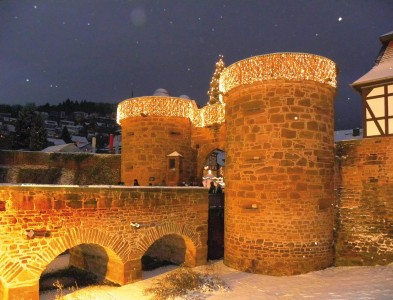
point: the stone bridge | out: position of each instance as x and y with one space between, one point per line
39 222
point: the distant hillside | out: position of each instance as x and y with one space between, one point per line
68 106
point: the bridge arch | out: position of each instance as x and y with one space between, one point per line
190 237
74 238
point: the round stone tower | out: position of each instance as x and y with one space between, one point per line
156 140
279 163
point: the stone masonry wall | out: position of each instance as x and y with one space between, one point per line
146 142
64 217
279 177
364 202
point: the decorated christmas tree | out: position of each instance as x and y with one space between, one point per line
214 91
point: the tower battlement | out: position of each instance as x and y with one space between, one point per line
161 106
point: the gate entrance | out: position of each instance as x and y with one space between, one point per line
215 238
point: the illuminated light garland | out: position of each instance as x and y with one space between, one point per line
171 107
290 66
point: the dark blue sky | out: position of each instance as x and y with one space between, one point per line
102 51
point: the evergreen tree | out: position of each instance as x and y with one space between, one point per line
65 135
30 132
214 91
23 126
5 138
38 134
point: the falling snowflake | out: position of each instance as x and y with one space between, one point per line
316 34
27 80
35 6
340 19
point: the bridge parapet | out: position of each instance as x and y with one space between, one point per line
39 222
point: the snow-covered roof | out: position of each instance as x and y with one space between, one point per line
62 148
56 141
80 141
348 134
383 69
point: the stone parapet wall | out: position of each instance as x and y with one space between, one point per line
37 223
364 202
73 168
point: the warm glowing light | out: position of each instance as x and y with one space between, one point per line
290 66
171 107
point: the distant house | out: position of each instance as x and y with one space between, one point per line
80 115
81 142
56 142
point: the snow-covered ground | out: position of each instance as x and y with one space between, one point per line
332 283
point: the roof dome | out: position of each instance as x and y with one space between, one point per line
184 97
161 92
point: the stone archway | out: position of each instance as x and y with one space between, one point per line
75 238
169 249
203 154
195 251
22 281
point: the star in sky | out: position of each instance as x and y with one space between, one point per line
90 47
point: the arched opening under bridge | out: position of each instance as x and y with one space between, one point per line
80 266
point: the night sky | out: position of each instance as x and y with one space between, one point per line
107 51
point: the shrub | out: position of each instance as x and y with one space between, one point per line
186 283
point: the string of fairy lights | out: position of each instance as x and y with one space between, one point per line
290 66
171 107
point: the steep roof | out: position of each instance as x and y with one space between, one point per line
383 68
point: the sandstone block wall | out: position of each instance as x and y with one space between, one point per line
364 202
65 217
146 142
279 177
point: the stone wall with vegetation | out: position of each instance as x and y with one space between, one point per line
59 168
364 202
